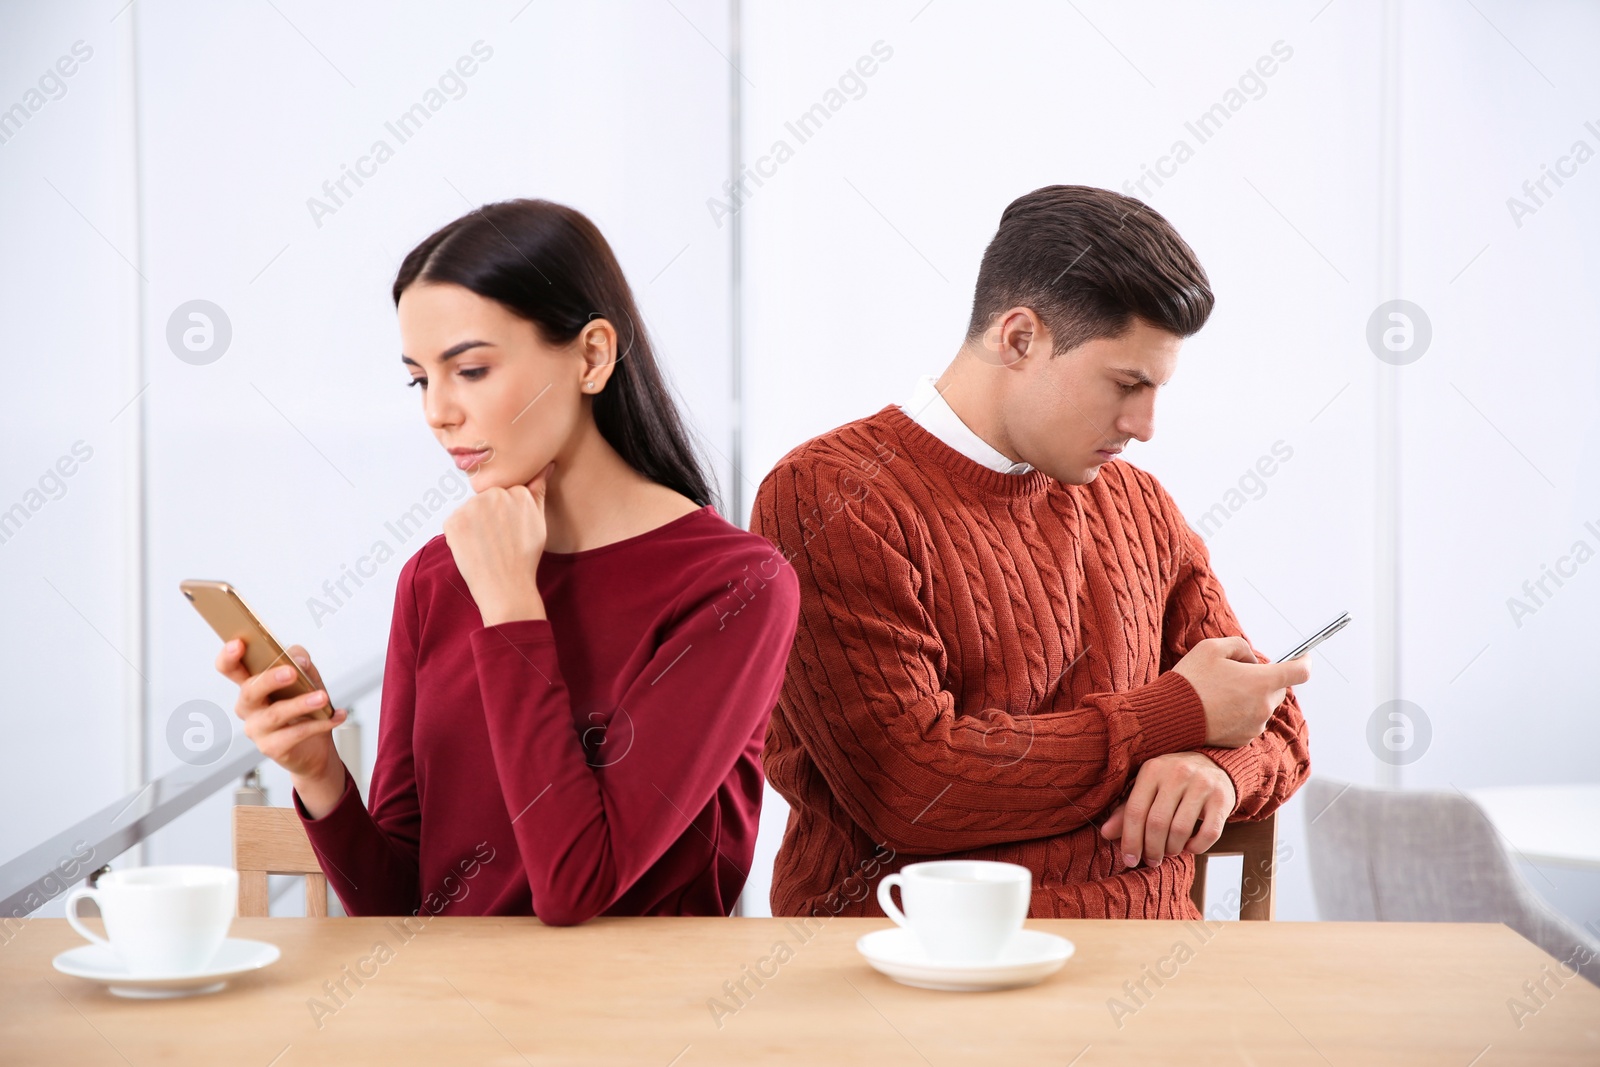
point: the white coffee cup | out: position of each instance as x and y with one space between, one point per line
963 911
163 920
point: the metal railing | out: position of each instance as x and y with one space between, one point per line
44 872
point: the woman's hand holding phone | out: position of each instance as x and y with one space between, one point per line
286 731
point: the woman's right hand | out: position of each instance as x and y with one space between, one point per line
303 747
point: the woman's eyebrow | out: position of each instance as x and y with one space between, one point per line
450 353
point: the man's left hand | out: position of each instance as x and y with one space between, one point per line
1170 795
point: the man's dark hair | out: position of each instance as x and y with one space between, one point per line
1087 260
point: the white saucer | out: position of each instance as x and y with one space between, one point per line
1029 957
99 963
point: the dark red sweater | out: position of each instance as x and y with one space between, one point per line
984 661
603 761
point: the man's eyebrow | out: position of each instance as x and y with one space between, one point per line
1137 375
450 353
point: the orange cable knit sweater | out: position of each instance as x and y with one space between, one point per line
982 664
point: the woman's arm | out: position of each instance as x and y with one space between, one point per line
370 857
319 796
588 831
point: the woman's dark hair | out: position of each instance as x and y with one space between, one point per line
1087 260
550 265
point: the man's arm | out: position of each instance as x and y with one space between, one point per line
863 691
1268 770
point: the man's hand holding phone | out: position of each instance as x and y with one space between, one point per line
1239 692
1179 801
288 731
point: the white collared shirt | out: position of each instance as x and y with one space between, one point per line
928 408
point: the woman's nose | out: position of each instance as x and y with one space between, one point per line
439 410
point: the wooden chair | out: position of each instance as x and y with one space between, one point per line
272 841
1257 842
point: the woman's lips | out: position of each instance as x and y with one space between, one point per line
468 460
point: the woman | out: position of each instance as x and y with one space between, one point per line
581 667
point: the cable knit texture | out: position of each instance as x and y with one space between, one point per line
982 665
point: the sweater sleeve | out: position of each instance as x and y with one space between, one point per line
594 807
370 856
865 698
1267 771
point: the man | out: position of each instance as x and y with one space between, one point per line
1011 644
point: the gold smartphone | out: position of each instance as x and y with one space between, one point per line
222 606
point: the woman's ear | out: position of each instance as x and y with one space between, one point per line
598 346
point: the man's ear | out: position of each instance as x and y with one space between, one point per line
1016 335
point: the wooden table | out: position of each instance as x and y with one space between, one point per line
643 991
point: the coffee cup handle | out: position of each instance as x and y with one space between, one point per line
83 893
886 902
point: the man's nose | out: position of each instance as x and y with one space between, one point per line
1139 422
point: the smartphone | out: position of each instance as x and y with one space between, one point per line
1317 638
222 606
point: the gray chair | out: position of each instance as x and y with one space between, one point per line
1381 855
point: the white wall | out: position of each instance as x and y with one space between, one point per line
67 299
320 440
1500 458
863 249
277 465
